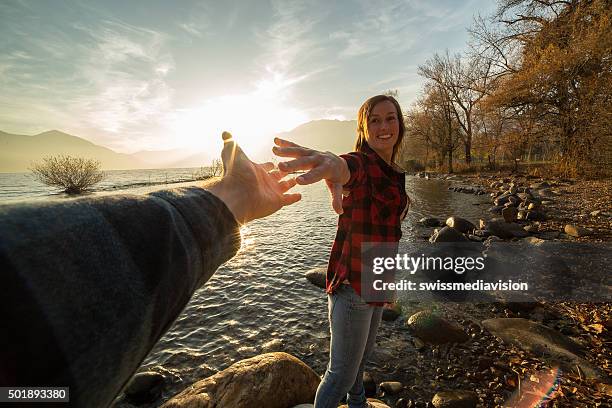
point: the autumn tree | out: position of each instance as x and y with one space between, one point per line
431 121
555 57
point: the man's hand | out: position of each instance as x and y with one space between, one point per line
322 165
248 189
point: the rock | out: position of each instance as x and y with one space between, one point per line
546 192
535 216
509 214
430 222
460 224
549 234
534 241
484 363
481 233
391 387
374 403
505 230
317 276
595 213
513 200
496 209
475 238
501 200
434 329
576 231
391 312
537 186
272 346
455 399
531 228
554 347
144 387
447 234
273 380
369 385
533 206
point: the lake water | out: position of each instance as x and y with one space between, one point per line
260 295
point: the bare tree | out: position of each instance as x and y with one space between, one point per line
216 168
464 83
73 174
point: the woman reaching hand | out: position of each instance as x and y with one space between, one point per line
368 192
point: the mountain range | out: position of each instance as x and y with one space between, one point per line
17 152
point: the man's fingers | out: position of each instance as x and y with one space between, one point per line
289 199
286 185
336 193
284 143
277 174
267 166
231 152
228 154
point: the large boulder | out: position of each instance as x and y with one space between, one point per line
554 347
317 276
460 224
447 234
499 227
373 402
455 399
433 329
272 380
144 387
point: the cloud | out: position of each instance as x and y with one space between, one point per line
192 28
126 74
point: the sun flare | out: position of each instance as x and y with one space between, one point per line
253 119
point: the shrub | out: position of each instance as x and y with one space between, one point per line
73 174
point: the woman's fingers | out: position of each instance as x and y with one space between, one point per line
303 163
284 143
289 199
336 193
314 175
295 151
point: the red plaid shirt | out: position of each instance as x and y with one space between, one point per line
373 210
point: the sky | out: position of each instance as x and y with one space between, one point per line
155 75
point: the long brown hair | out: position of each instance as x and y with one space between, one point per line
364 115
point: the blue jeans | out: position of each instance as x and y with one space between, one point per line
353 325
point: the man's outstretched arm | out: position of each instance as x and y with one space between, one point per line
90 285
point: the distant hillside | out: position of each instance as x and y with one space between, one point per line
18 151
336 136
173 158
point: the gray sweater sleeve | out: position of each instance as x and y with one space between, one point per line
90 285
